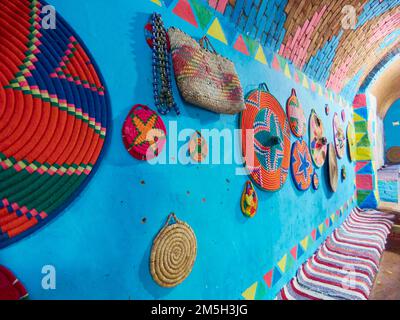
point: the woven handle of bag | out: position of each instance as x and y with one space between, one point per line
205 43
263 86
142 106
170 217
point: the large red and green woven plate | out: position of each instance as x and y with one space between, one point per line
265 139
54 111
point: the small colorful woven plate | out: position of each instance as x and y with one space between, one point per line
318 141
393 155
301 165
315 181
333 168
143 133
295 114
198 149
54 114
339 136
351 141
267 151
249 200
10 287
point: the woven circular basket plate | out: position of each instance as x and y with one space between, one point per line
10 287
339 136
318 144
198 149
393 155
315 181
143 133
173 253
351 141
265 140
333 168
295 114
301 165
53 118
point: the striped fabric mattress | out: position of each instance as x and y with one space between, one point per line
345 265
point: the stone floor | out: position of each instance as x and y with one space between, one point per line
387 282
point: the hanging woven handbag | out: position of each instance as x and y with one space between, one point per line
205 78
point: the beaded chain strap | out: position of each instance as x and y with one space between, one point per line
162 85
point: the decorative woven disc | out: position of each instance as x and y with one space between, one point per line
393 155
318 142
249 200
327 110
339 136
343 172
301 165
333 167
295 114
351 141
54 112
265 139
143 133
198 149
173 253
315 181
10 287
343 115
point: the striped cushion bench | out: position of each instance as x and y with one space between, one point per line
345 265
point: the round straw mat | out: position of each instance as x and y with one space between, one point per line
333 168
265 139
173 253
295 113
53 118
318 145
339 136
351 141
393 155
301 165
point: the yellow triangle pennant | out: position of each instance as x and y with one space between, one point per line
304 243
282 263
157 2
305 82
321 228
287 71
260 56
250 292
216 31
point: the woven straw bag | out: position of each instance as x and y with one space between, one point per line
205 78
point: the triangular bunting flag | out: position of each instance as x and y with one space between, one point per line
203 13
300 251
304 243
314 234
268 277
287 71
276 276
327 222
184 11
260 56
293 252
305 82
289 262
296 77
240 45
157 2
250 292
282 263
260 292
321 229
275 63
216 31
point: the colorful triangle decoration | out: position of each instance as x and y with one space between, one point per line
250 293
304 243
293 252
216 31
203 14
287 71
300 251
184 11
275 64
157 2
240 45
277 276
260 292
268 277
260 56
314 234
282 263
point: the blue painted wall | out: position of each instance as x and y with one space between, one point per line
392 133
99 245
